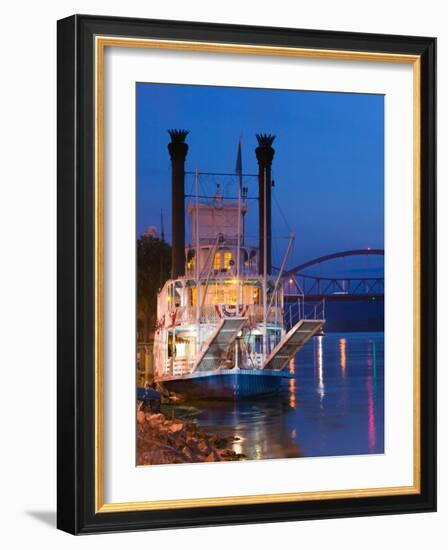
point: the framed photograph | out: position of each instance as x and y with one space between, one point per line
246 274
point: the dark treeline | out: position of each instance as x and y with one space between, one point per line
153 269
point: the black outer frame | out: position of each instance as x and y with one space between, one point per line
75 403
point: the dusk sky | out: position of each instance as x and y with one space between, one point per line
328 166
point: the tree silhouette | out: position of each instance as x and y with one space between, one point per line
153 269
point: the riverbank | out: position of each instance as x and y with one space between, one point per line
173 441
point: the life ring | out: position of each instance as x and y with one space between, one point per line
229 311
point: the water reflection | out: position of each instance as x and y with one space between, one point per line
327 409
292 393
320 367
292 385
237 444
371 392
342 349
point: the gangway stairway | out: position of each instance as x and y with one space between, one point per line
290 344
218 343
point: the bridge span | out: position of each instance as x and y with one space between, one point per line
298 284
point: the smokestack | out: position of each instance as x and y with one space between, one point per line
178 151
265 154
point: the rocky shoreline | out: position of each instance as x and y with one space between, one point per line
164 441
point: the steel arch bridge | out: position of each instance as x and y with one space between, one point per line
314 287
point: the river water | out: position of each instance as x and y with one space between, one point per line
333 406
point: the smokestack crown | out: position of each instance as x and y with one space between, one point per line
178 148
265 151
265 140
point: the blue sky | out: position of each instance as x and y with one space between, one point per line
328 166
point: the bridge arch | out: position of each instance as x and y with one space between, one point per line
357 252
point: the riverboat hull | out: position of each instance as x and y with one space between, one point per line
226 385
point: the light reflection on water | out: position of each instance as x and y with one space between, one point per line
292 385
333 405
371 392
320 367
343 350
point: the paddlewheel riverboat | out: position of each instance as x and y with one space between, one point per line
221 332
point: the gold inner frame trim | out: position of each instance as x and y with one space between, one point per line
101 42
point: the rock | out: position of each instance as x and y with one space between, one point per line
176 427
163 429
221 443
203 446
155 419
187 452
165 441
225 452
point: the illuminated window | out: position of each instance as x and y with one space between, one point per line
231 296
221 294
250 294
256 296
227 258
192 292
190 265
217 262
214 295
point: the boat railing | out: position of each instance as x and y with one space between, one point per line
255 360
178 366
256 314
298 310
224 273
214 313
188 315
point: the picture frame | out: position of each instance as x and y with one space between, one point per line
82 42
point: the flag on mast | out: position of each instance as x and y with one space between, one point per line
239 161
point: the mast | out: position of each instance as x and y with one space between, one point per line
243 198
238 245
239 171
282 268
198 307
207 280
238 285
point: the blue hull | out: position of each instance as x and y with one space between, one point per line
227 385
